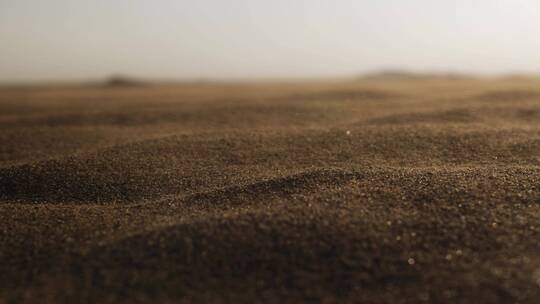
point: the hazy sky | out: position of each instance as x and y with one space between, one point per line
84 39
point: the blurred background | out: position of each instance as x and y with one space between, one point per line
66 40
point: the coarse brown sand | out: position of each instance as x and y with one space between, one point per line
397 191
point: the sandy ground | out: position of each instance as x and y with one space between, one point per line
411 191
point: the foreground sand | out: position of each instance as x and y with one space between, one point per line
369 192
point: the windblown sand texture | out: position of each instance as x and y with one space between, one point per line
396 191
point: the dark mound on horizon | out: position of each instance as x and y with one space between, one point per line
362 191
121 81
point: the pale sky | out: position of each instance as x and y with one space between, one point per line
44 40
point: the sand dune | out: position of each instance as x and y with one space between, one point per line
404 191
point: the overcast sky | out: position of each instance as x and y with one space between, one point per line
194 39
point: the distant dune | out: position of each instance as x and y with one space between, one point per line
367 191
397 74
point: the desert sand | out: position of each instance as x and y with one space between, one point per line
364 191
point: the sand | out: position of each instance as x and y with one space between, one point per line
396 191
